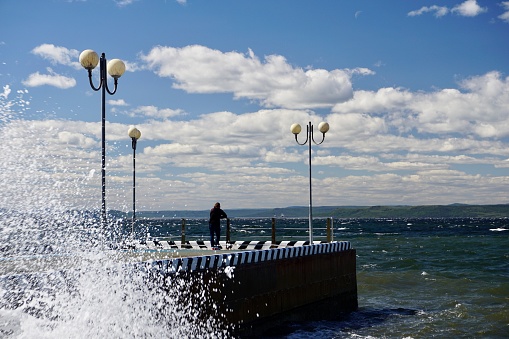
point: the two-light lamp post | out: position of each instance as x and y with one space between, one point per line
115 68
134 134
323 127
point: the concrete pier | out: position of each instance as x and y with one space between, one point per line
252 290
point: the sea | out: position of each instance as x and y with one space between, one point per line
424 278
416 278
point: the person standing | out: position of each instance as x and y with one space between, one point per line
216 214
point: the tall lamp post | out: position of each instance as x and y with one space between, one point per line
323 127
134 134
115 68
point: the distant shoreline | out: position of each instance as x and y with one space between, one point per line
399 211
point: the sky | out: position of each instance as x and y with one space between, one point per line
416 94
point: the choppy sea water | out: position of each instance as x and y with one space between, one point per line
423 278
417 278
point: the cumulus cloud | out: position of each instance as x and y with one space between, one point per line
154 112
119 102
273 82
505 16
414 142
58 55
391 162
477 110
468 8
256 153
132 66
52 79
76 139
355 125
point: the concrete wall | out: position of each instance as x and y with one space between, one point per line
270 286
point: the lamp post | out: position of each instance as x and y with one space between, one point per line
134 134
295 129
115 68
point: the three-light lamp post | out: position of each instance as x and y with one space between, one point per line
323 127
115 68
134 134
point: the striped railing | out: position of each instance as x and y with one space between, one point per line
273 230
228 259
236 245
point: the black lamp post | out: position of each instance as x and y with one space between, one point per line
115 68
323 127
135 134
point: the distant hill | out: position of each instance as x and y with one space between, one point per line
427 211
234 213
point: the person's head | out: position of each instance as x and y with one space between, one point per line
217 205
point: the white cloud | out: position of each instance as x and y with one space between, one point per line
355 125
58 55
188 162
478 110
359 71
438 10
37 79
132 66
273 82
155 112
119 102
417 144
469 8
384 143
426 187
122 3
505 16
76 139
408 162
6 92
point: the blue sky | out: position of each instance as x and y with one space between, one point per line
416 94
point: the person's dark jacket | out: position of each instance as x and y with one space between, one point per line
216 214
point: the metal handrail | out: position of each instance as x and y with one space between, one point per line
272 230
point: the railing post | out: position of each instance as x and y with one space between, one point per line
329 229
273 238
228 230
183 233
332 229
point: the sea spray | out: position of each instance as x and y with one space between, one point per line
62 274
101 297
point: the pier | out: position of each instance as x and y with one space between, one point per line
252 286
249 288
